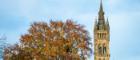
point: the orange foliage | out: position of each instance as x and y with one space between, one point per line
56 40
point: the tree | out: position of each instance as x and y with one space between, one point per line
56 41
15 52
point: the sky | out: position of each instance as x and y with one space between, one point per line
123 15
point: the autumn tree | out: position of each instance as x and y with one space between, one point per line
15 52
56 40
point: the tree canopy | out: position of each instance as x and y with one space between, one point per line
56 40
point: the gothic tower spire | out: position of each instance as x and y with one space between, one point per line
101 13
101 37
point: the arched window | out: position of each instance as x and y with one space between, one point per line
101 35
98 35
104 50
104 35
99 50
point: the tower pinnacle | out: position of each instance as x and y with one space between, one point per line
101 12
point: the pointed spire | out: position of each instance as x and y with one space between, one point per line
95 21
95 25
107 23
101 6
101 12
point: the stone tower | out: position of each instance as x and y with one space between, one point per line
101 36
